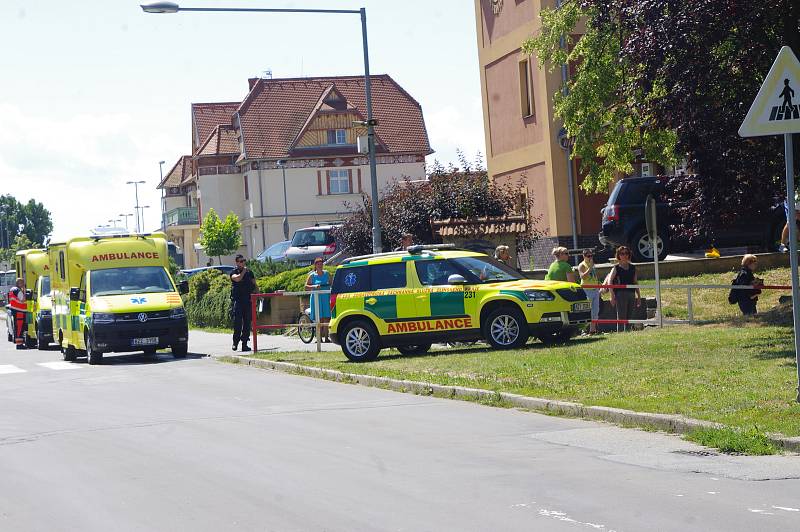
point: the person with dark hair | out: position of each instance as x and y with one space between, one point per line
319 279
405 241
243 284
624 299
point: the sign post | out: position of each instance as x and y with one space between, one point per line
774 112
652 233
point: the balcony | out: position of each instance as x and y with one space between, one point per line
183 216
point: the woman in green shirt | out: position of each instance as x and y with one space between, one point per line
560 270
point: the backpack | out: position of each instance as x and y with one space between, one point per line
733 297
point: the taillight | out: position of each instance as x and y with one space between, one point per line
612 213
330 249
333 302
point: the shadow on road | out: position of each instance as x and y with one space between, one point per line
137 359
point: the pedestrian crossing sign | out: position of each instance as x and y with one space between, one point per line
776 109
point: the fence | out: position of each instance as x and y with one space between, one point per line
255 327
691 291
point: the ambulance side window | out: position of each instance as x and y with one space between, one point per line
83 287
434 272
61 265
349 280
388 276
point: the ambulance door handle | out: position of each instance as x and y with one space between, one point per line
421 297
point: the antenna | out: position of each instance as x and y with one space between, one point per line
267 74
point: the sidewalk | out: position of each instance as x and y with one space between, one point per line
218 344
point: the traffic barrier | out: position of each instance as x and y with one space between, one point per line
254 298
688 287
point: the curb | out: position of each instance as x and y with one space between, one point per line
666 422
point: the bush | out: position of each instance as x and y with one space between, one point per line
289 281
208 303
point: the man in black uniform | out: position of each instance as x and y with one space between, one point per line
244 284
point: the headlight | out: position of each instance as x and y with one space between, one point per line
539 295
177 312
102 317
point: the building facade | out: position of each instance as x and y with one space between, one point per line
290 149
521 132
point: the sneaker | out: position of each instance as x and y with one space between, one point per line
246 347
235 346
783 248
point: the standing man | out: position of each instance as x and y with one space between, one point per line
16 300
244 284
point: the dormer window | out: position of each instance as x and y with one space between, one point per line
337 136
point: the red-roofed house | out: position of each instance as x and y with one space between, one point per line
309 124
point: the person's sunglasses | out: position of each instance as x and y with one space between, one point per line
588 254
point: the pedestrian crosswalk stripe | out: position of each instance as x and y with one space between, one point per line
59 364
10 368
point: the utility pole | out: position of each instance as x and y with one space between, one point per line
136 191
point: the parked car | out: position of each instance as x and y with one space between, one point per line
275 253
227 270
623 222
310 243
7 282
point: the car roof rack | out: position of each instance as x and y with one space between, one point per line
410 250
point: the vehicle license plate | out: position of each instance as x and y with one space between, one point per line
145 341
577 307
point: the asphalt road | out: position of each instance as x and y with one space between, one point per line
198 445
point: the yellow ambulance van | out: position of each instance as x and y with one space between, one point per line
33 266
114 293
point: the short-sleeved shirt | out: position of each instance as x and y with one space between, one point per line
241 291
624 276
558 271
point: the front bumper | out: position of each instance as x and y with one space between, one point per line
119 336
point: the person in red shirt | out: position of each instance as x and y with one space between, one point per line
16 300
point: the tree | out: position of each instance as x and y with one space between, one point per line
220 237
20 242
672 77
31 219
410 206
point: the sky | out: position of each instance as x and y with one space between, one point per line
95 93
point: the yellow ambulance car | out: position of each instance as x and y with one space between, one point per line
115 294
430 294
33 266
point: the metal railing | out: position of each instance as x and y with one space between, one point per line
183 216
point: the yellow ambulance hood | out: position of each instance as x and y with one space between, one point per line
530 284
136 302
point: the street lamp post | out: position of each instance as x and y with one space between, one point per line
282 164
163 201
136 190
126 216
171 7
141 214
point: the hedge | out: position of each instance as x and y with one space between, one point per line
208 303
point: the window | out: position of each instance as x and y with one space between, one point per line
348 280
525 88
312 237
434 272
61 272
246 188
337 136
338 182
388 276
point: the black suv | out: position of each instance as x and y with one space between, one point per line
624 222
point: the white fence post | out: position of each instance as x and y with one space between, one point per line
689 304
317 322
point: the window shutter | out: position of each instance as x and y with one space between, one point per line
359 180
349 181
328 181
319 182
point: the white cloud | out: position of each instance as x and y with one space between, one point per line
451 128
77 166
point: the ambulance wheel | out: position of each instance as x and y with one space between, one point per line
180 350
93 356
505 328
41 343
360 341
70 354
414 349
30 343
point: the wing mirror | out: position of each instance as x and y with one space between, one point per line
456 279
74 294
183 287
29 294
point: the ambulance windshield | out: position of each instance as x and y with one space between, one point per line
119 281
487 270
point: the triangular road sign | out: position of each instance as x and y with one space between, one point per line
776 109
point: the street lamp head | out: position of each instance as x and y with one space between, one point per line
281 162
134 182
161 162
160 7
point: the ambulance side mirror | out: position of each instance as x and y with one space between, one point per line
183 287
74 294
456 279
28 294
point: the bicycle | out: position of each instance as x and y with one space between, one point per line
306 330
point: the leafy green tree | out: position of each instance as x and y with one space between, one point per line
20 242
220 237
31 219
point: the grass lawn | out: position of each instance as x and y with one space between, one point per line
742 375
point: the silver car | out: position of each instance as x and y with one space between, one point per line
310 243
